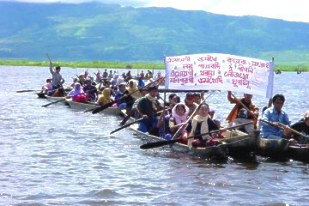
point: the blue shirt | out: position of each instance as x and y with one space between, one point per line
272 115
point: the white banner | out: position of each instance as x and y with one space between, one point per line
214 71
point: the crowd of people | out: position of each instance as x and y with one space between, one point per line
101 89
190 120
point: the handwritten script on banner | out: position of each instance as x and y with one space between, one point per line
214 71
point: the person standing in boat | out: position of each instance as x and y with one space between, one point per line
274 115
57 79
148 106
240 114
105 74
200 124
301 126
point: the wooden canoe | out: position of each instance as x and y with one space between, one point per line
87 106
299 152
282 149
234 144
273 148
41 95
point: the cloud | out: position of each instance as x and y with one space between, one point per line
291 10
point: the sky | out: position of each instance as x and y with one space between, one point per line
289 10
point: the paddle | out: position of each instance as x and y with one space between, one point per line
283 126
99 109
60 100
169 142
136 121
28 90
126 125
49 58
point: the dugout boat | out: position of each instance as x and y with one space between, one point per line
299 152
91 105
282 149
235 144
272 148
41 95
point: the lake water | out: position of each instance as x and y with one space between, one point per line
59 156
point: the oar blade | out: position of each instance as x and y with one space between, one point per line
116 130
151 145
100 109
27 90
46 105
126 125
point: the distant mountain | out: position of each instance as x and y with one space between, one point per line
96 31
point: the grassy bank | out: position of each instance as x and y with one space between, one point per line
84 64
135 65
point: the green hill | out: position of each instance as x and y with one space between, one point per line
96 31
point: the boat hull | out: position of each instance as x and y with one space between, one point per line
235 144
299 152
273 148
88 106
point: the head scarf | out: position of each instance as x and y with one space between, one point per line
76 90
106 97
204 126
180 119
133 88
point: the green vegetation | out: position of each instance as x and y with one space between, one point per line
134 65
97 31
301 68
85 64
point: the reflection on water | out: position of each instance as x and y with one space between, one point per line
59 156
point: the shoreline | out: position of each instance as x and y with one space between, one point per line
86 64
118 65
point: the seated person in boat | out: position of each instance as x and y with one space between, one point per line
105 97
201 124
302 127
140 83
90 90
98 76
74 80
77 94
163 125
178 117
126 99
189 102
173 99
274 115
134 111
148 106
48 87
240 114
133 90
197 98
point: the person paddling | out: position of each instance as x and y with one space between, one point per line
239 113
57 80
148 106
275 116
